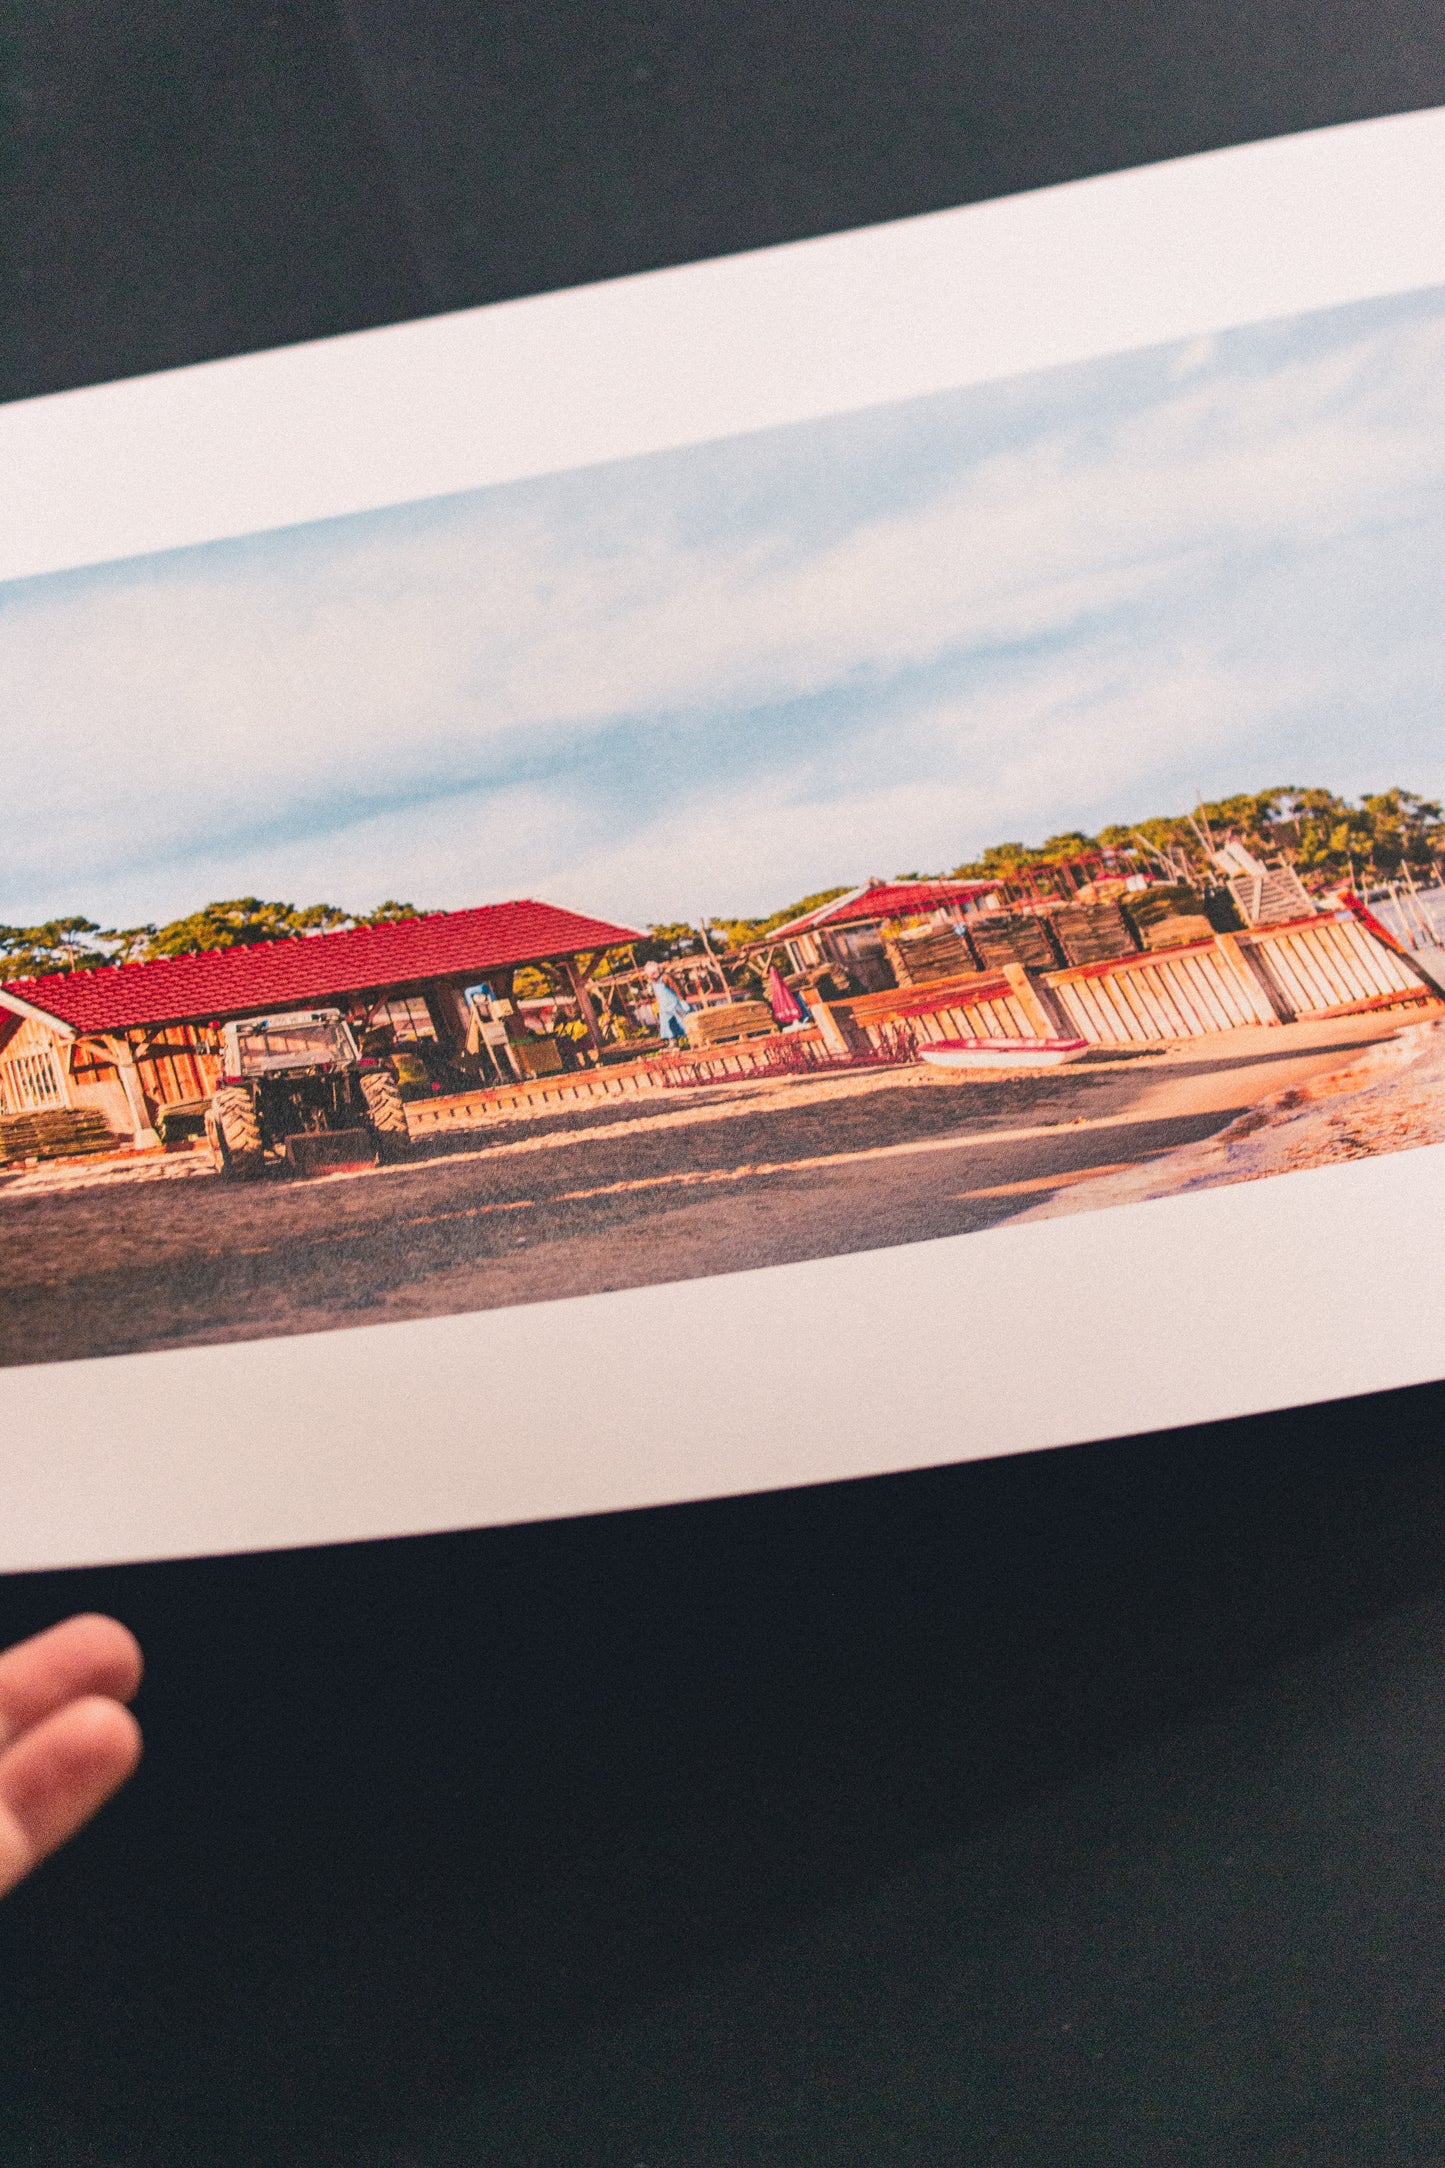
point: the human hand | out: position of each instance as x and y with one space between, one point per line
66 1740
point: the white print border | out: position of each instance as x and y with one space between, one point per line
384 1430
681 356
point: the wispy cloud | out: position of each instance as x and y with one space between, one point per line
713 678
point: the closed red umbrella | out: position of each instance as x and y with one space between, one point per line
784 1003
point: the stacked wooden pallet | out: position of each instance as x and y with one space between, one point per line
1272 897
54 1133
1167 916
1182 927
730 1020
1092 933
926 954
1013 937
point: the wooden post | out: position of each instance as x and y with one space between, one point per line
584 1006
1233 953
834 1036
448 1012
1038 1003
145 1137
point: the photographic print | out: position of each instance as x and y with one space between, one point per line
1011 802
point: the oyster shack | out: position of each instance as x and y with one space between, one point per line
134 1046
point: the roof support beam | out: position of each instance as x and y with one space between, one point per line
18 1007
122 1053
584 1005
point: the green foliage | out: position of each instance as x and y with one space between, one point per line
1166 832
80 944
240 922
1073 843
387 914
61 944
666 942
1323 836
1000 862
1327 839
611 960
738 932
247 919
1006 861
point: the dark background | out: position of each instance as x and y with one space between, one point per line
1088 1807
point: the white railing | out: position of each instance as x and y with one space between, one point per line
1415 916
29 1083
1332 964
1181 995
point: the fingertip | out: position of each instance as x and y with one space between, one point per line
60 1773
110 1652
102 1736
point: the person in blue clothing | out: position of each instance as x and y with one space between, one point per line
673 1010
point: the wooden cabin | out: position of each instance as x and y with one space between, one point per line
849 930
129 1041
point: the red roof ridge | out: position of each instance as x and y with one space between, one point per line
300 969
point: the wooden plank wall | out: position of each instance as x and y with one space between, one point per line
980 1006
1169 994
1325 966
1328 966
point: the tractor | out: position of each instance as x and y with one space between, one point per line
299 1086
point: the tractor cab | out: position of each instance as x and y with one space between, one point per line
297 1088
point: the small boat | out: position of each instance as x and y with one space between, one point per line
1002 1053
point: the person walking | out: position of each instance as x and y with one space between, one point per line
673 1010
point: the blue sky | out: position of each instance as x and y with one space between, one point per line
711 680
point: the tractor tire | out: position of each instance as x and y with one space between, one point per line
233 1132
384 1109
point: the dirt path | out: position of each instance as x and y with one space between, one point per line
723 1180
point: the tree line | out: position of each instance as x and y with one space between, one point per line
80 944
1323 836
1326 838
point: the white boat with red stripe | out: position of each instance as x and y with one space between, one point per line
1002 1053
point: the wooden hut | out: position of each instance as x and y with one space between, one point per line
849 930
129 1041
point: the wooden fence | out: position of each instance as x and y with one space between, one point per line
1319 967
977 1005
1181 993
1331 966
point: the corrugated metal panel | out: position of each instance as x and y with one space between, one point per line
885 899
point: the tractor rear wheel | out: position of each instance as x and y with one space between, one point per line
233 1132
384 1109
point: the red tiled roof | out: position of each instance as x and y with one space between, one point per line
316 968
884 899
